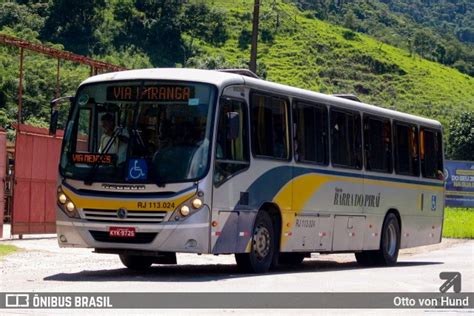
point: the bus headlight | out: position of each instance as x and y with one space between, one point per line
62 198
184 210
196 203
66 205
70 207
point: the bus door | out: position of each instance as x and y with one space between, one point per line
230 214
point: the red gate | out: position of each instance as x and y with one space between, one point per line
34 192
3 169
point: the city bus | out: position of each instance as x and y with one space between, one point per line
156 162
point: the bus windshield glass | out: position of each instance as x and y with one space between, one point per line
139 131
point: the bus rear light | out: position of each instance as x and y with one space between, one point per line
214 224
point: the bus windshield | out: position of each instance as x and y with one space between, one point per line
139 131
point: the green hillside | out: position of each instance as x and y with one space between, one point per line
315 55
295 48
439 30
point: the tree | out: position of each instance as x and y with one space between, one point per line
153 26
205 23
460 144
74 24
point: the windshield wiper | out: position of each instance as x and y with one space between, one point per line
90 177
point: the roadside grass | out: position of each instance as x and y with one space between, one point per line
458 223
7 249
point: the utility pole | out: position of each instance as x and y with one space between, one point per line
253 49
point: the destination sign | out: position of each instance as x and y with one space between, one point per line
150 93
104 159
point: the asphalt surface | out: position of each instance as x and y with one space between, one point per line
42 266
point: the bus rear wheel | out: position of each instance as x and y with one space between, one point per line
263 245
137 263
387 254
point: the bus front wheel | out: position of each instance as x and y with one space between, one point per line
136 262
262 249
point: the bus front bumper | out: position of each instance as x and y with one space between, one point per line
188 235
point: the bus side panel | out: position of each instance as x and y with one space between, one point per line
242 196
318 196
421 220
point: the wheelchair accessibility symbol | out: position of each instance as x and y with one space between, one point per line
137 169
433 202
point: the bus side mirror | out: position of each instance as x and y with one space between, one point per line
233 125
53 122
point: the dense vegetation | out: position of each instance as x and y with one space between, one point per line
318 45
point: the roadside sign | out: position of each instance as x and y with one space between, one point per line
459 183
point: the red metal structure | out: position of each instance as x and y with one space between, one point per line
36 164
36 153
96 65
3 169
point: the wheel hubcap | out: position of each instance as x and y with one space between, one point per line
261 242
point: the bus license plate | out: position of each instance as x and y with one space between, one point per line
123 232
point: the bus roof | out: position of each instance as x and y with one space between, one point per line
221 79
185 74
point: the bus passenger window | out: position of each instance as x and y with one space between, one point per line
406 150
431 154
346 139
311 137
378 144
231 150
269 126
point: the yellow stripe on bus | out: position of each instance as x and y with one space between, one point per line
306 186
130 204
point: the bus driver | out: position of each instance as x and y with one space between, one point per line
119 146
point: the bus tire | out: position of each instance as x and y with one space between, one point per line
291 259
138 263
262 249
387 255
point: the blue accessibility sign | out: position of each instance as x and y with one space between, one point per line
137 169
433 202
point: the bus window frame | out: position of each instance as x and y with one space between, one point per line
436 132
288 125
351 112
212 107
321 105
246 111
395 147
384 120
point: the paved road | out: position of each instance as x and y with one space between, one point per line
43 266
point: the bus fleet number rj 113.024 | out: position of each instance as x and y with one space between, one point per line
156 205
